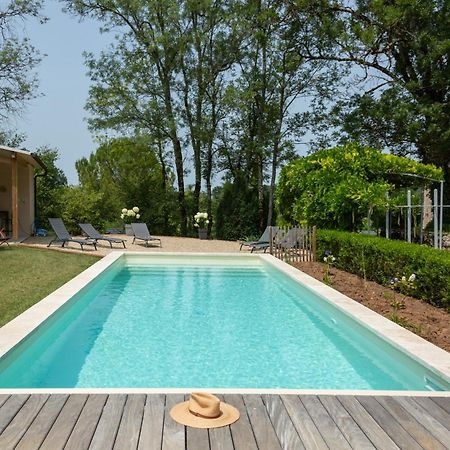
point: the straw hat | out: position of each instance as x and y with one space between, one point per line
204 410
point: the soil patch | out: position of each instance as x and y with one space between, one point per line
429 322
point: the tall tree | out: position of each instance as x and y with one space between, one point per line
402 50
272 78
135 80
18 57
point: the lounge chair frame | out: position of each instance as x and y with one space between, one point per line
62 235
141 232
263 243
93 234
3 238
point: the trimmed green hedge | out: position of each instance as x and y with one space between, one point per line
380 259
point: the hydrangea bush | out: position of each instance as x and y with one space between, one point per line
201 220
130 215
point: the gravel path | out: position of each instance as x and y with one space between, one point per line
169 244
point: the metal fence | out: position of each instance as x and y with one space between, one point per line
293 244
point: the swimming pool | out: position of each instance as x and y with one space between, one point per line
185 321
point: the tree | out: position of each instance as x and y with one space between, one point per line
49 188
402 49
125 172
163 77
272 76
339 187
18 58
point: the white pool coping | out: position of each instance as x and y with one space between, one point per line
427 354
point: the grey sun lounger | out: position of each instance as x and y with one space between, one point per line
263 242
141 232
292 238
62 235
92 233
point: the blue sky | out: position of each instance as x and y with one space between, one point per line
57 118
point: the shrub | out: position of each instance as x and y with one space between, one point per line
380 259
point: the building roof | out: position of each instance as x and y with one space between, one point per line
31 158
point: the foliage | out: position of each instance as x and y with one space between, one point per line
82 206
237 210
18 58
401 51
49 188
28 275
126 171
336 188
384 257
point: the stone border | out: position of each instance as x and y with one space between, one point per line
425 353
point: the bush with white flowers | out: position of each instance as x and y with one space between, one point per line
130 215
201 220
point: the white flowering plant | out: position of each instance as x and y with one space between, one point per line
130 215
201 220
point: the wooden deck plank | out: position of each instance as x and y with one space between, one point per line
324 423
87 423
36 433
241 431
22 420
263 430
65 422
427 420
344 421
220 438
130 425
10 408
3 398
305 426
367 423
108 425
388 423
174 434
285 430
443 402
152 423
196 438
410 424
436 411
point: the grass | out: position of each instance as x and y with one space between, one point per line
27 275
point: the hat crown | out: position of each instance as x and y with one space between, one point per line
204 405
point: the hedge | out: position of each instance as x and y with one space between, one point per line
378 259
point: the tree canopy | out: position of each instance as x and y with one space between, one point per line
335 188
18 57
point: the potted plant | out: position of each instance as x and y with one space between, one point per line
129 216
201 221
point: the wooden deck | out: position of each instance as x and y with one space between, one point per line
271 422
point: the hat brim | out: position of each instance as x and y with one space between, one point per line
181 414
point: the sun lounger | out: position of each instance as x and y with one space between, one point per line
291 239
92 233
141 232
62 235
3 238
263 242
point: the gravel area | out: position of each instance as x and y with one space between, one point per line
169 244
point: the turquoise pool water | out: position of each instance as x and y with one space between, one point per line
196 322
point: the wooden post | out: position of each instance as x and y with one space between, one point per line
314 243
271 240
15 197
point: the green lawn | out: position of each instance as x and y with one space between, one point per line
27 275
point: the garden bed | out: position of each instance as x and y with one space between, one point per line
429 322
